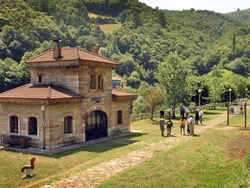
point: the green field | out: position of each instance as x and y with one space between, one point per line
216 158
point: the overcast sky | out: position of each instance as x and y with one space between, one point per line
222 6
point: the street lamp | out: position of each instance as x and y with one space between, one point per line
44 126
230 90
246 92
199 90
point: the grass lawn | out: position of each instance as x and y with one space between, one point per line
204 161
218 158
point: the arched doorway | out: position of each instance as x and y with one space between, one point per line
96 125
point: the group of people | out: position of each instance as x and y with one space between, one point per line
190 121
162 126
190 125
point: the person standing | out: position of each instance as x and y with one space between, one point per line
191 125
182 125
169 127
187 112
196 117
182 111
171 113
162 125
200 116
162 113
188 123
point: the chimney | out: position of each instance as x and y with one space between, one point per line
57 49
94 48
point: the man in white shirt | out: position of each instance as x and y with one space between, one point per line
200 115
191 125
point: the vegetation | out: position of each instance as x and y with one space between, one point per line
221 158
241 15
142 39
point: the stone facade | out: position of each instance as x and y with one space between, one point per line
75 100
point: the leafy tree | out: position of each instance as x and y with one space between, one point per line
215 85
237 66
172 78
154 99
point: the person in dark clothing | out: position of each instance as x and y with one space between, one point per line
182 111
169 127
162 113
196 117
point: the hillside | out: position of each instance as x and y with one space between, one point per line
139 37
241 15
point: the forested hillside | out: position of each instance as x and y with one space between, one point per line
201 41
241 15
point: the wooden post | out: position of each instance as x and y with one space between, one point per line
246 114
228 114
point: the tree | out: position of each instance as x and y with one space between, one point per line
172 77
154 98
216 88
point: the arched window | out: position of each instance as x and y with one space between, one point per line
13 124
32 126
68 125
119 117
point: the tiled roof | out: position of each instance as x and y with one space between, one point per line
39 91
71 55
120 93
116 78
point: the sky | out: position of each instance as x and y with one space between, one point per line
221 6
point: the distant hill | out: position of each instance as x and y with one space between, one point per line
137 36
241 15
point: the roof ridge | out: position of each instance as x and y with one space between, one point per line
77 53
49 91
98 55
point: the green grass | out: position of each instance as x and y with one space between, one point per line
205 161
109 28
194 164
191 164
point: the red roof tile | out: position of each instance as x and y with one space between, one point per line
116 78
69 55
41 91
120 93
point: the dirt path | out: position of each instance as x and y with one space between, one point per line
97 174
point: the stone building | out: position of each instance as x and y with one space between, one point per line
69 100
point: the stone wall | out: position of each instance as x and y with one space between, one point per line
66 77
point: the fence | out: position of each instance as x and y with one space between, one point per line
1 140
177 111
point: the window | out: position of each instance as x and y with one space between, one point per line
68 125
32 126
100 82
92 82
13 124
119 117
40 79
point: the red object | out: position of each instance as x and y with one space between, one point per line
32 166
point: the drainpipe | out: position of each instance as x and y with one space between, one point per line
44 126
